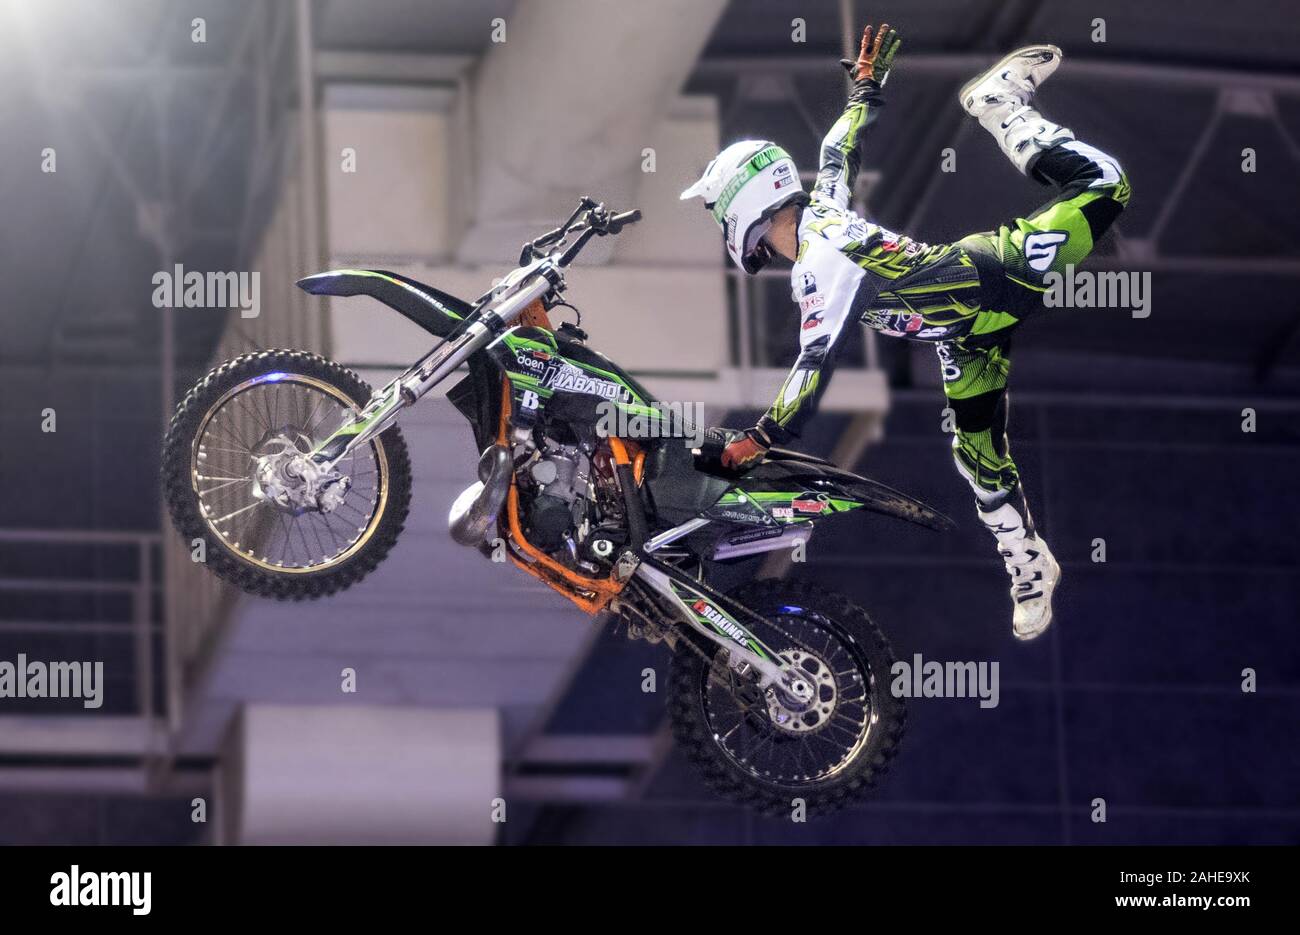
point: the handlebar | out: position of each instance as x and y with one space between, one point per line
538 276
619 221
589 219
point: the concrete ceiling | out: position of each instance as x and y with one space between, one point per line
444 27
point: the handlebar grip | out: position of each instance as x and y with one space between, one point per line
619 221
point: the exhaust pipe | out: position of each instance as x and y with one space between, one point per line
474 513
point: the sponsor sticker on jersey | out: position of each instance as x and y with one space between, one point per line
1041 247
810 303
807 284
894 324
930 333
951 371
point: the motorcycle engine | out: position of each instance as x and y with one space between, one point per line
573 513
559 475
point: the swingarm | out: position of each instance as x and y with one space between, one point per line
711 615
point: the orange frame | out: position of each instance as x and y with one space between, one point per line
591 594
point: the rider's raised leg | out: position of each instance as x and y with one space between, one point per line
1001 99
1092 188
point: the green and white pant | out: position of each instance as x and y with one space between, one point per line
1012 263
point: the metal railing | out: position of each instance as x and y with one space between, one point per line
145 627
179 610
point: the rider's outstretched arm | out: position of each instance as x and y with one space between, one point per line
799 395
822 326
825 314
841 147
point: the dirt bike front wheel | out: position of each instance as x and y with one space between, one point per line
753 749
236 477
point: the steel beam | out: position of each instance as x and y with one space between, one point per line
964 65
79 735
588 749
391 67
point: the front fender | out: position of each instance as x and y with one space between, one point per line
437 312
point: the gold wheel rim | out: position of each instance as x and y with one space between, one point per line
248 556
871 716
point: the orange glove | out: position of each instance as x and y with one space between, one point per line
874 59
743 453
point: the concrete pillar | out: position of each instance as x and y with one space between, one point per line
343 774
565 106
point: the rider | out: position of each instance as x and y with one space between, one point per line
965 297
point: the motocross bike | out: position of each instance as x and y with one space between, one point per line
294 474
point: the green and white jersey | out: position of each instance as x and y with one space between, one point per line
848 268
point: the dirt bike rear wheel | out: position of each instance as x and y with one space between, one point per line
269 408
757 755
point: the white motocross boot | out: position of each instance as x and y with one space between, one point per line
1001 99
1034 571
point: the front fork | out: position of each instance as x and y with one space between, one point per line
383 408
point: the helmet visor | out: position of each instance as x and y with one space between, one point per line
756 253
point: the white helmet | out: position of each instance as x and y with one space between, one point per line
744 186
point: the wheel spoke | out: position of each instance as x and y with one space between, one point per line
234 480
286 411
801 747
230 438
251 506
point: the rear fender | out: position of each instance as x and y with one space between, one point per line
799 490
